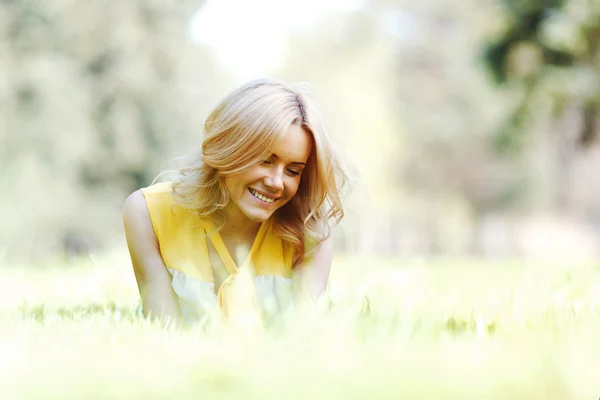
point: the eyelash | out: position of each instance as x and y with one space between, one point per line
291 171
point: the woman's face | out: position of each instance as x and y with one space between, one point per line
258 191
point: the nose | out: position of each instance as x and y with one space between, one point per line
274 181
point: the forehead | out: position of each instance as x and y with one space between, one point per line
295 145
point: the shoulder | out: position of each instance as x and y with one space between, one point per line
134 206
136 218
158 194
158 189
149 207
143 200
313 270
322 233
158 198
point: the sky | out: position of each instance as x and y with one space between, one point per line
249 36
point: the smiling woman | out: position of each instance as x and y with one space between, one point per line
257 200
258 191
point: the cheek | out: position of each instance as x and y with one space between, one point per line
250 176
292 187
236 184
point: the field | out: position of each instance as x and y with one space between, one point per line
413 329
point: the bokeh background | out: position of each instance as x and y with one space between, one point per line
466 266
473 124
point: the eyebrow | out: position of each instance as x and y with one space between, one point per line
293 162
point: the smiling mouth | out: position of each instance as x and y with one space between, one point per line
261 197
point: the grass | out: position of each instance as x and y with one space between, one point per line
452 329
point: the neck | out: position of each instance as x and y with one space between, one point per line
237 224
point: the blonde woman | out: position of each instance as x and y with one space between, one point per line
259 199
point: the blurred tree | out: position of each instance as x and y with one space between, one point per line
551 48
95 96
348 57
420 119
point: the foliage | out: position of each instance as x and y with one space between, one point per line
541 38
96 98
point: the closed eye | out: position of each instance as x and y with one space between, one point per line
293 172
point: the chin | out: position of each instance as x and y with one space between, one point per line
258 216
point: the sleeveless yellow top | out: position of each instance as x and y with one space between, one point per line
262 283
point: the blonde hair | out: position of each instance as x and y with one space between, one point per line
241 131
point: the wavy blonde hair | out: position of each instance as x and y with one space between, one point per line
242 131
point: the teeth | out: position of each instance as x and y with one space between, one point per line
260 196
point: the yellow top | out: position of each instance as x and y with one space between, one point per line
182 238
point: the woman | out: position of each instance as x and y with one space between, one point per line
255 205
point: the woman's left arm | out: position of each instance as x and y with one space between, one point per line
313 273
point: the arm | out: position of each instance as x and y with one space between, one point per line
313 273
153 279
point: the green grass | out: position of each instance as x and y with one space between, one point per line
451 329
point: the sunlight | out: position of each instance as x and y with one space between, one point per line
252 39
